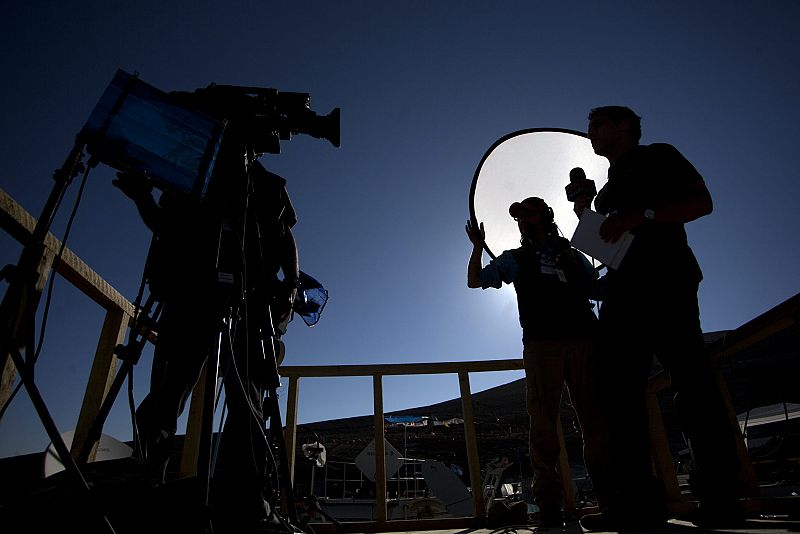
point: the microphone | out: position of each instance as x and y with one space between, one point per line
579 185
577 174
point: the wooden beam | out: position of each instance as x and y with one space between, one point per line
101 376
783 316
290 430
20 224
19 324
662 457
401 368
380 450
565 472
194 424
747 471
473 459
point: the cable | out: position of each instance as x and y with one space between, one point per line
242 386
137 439
55 261
232 365
243 344
260 421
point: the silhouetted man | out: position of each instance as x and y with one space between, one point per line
193 239
650 308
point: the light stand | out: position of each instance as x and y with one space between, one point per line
18 316
315 453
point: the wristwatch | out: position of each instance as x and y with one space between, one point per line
649 214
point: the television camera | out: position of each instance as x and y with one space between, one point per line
263 116
176 139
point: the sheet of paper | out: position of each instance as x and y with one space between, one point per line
587 239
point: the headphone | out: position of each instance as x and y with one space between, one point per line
547 211
531 203
550 215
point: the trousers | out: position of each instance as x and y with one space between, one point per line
549 365
189 330
636 325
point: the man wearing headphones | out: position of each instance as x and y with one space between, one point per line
553 282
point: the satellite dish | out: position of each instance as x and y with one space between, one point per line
107 449
530 163
315 452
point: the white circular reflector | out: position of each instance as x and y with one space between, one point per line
530 163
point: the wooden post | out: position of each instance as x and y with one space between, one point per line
290 431
565 472
100 378
380 450
194 424
748 473
472 446
30 300
662 456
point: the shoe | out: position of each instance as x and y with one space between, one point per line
548 518
728 514
502 514
612 520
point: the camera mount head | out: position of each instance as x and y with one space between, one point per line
262 117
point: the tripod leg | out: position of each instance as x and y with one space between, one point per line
273 411
52 430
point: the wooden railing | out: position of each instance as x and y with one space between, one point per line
119 315
377 372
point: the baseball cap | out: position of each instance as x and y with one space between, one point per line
518 208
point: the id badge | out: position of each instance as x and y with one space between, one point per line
547 262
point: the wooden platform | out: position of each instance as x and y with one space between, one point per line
773 526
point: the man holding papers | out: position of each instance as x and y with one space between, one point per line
650 308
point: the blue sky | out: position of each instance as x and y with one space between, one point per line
425 88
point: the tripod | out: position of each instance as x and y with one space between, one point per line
251 347
261 111
231 336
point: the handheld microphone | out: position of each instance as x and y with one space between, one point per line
579 185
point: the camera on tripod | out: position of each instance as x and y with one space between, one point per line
262 117
174 139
